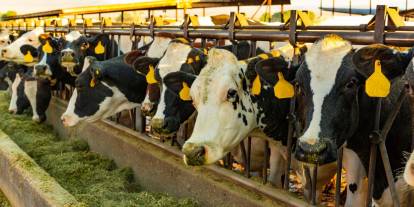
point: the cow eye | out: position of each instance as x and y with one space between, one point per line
231 95
30 40
2 42
351 84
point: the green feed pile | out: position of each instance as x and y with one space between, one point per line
3 200
91 178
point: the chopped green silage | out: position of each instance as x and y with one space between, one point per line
3 200
91 178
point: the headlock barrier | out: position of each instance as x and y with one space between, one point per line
386 27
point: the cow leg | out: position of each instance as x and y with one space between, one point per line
30 90
355 173
277 163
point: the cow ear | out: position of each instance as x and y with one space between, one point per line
132 56
392 62
99 43
142 64
273 71
29 53
180 84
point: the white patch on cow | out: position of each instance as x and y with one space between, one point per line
86 63
13 52
355 175
30 90
175 56
108 107
13 100
218 128
323 60
72 36
409 171
158 47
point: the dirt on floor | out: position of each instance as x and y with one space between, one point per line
90 177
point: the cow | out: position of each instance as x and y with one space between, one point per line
334 110
13 51
77 47
228 111
8 74
102 89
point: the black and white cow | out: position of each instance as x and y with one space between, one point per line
103 89
334 110
8 74
13 51
78 46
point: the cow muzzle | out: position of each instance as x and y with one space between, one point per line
148 109
165 127
42 70
194 155
320 152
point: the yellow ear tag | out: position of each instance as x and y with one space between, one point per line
185 93
190 60
92 83
377 85
28 58
283 89
99 49
151 75
47 48
256 86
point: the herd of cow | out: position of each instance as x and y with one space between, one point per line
232 96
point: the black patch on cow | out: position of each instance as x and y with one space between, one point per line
353 187
239 115
244 120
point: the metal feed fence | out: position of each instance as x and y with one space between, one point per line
386 27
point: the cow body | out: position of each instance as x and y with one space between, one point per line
335 110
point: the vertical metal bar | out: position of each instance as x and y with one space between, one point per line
253 48
289 142
333 7
370 7
373 155
388 173
244 157
249 154
314 180
122 17
292 27
350 7
320 6
266 159
340 153
379 24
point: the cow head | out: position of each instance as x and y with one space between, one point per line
103 89
8 74
49 54
14 50
171 110
77 47
330 94
146 66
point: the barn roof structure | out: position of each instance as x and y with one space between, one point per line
148 5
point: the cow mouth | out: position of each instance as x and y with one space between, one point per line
320 153
194 155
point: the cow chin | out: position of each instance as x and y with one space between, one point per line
318 151
70 120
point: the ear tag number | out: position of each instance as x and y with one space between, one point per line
151 75
185 93
47 48
99 49
377 85
28 58
283 89
256 86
